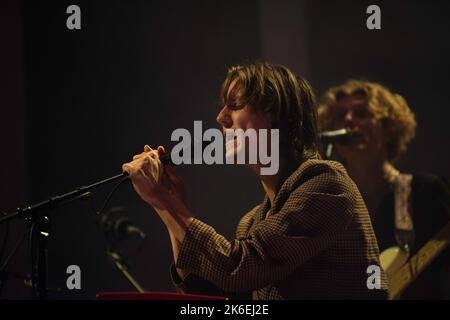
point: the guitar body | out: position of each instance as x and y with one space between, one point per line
402 270
392 259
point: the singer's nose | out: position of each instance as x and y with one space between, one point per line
348 119
223 118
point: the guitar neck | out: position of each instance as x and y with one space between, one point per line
411 270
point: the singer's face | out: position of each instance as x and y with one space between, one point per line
241 117
352 111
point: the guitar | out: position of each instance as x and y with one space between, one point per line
402 271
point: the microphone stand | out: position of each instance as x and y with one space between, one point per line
37 216
120 263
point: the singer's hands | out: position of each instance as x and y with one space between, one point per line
159 186
154 182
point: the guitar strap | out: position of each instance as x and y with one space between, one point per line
404 225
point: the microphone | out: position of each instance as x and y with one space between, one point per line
333 136
166 158
117 225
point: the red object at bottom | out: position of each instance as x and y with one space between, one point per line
153 296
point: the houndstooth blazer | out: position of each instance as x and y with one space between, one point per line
315 242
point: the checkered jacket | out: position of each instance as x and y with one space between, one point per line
315 242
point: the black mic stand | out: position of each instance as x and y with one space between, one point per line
37 216
120 263
114 224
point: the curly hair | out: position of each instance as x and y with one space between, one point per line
390 108
289 100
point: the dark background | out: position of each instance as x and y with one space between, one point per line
78 103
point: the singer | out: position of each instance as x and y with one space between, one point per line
310 238
406 209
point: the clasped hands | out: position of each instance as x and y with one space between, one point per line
156 183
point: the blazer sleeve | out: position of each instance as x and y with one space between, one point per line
311 219
194 284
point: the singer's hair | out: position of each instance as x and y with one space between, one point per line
388 107
288 99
